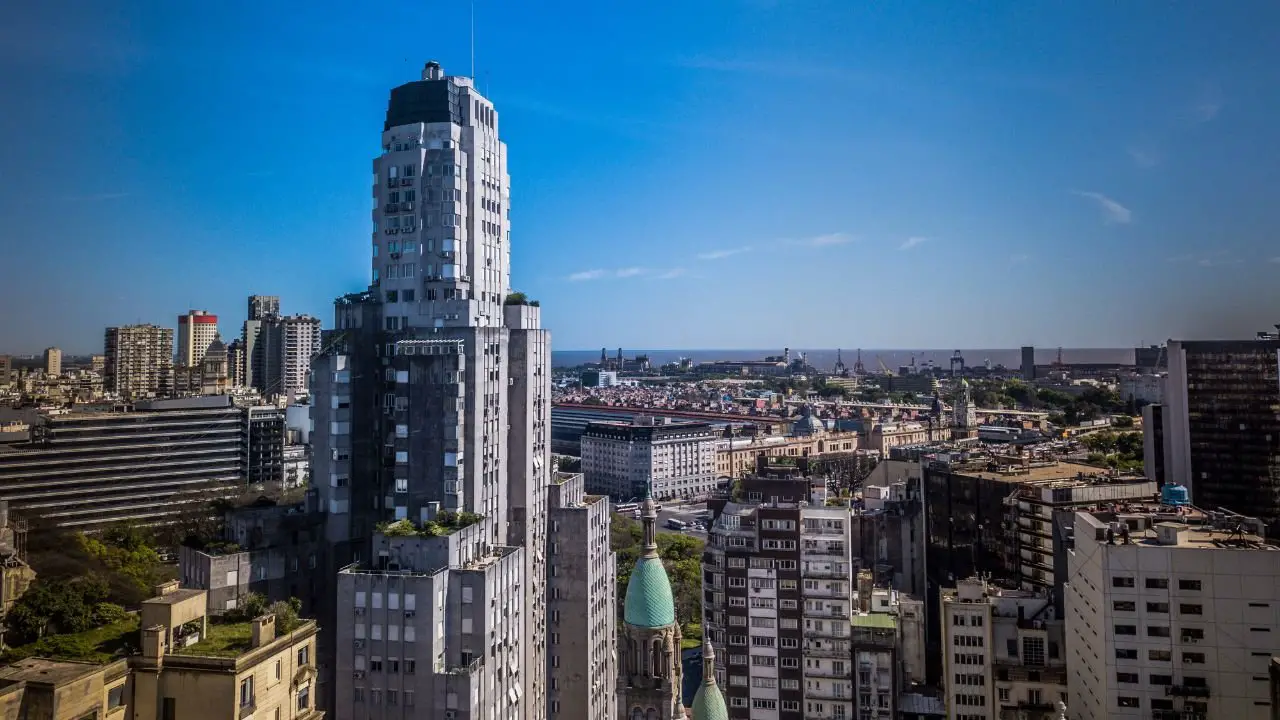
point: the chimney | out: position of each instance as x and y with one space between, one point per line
264 630
165 588
153 643
865 584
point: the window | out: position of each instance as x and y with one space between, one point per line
1159 655
1160 679
115 697
246 692
1188 584
1191 609
169 709
1157 583
409 666
375 663
1127 677
1193 658
1158 631
1128 702
1126 654
1126 629
1033 651
1157 607
1121 581
304 697
1192 634
277 669
304 655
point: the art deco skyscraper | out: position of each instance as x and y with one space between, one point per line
432 413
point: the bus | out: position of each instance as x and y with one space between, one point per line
675 524
623 508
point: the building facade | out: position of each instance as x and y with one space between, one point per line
1004 654
261 307
1171 613
672 459
196 331
582 588
138 361
1221 432
87 470
52 362
434 393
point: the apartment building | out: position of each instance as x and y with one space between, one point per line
138 361
582 631
1039 518
52 362
90 469
1171 612
739 457
196 331
888 529
1004 655
778 581
670 459
431 627
188 667
282 349
1221 435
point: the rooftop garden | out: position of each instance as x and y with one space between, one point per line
446 522
519 298
100 644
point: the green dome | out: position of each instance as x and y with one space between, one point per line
708 703
649 602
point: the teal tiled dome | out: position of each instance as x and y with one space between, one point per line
708 703
649 602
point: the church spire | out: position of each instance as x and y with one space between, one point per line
649 518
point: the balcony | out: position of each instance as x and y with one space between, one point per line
838 551
1192 691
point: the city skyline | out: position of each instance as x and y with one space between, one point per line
1042 171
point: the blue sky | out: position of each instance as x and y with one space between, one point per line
727 173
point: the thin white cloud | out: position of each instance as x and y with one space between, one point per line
1274 259
669 274
587 275
1207 104
912 242
724 253
1217 258
827 240
1144 157
630 272
1018 259
1112 211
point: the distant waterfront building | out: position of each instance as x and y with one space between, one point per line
1141 389
1221 432
138 361
673 459
1171 612
582 604
1028 363
599 378
52 362
6 369
196 331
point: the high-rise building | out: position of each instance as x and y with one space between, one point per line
52 362
6 369
263 306
1028 363
435 394
1221 430
1170 613
582 604
139 361
278 351
97 363
1004 653
235 363
196 331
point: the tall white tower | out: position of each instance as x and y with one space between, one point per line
196 331
433 398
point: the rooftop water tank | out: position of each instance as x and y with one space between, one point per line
1174 494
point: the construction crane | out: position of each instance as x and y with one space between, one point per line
883 368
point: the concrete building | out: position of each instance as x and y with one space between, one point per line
670 459
1171 613
196 331
599 379
263 306
1141 389
1222 438
264 443
138 361
1028 363
888 531
6 370
1004 654
739 457
882 436
52 362
97 363
582 640
432 403
650 674
236 363
89 469
1153 443
189 667
279 350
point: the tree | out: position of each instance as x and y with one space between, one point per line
56 606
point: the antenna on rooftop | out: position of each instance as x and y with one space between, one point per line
473 39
